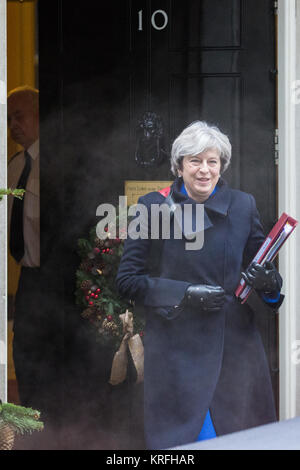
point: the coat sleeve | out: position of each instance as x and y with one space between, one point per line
254 242
256 236
135 282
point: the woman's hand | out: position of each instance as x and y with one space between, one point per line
204 297
263 278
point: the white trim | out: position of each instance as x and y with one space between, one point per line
3 209
287 168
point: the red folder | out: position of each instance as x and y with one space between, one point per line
268 250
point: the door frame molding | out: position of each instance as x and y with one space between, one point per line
3 205
289 258
287 202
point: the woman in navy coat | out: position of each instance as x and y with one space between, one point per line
206 372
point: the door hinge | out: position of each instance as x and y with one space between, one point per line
275 6
276 147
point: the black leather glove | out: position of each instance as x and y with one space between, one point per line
203 297
263 278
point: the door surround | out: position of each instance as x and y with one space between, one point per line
288 171
3 208
288 168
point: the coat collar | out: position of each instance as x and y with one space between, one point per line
218 203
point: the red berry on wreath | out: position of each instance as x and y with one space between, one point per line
91 302
96 251
141 334
92 294
96 296
109 317
87 297
98 290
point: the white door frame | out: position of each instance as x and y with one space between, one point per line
289 173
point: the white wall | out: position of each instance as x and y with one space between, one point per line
3 236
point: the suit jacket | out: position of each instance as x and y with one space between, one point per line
197 360
31 203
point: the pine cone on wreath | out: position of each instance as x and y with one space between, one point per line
99 243
86 285
87 313
93 314
7 437
111 327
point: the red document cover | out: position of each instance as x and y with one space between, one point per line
269 249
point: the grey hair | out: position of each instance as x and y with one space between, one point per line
197 138
29 92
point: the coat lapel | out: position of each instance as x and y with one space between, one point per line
218 203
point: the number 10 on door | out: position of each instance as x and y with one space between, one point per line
156 14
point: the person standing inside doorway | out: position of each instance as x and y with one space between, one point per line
24 239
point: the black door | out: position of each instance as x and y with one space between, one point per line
102 66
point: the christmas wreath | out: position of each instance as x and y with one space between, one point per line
111 318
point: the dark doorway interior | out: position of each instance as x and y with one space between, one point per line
102 66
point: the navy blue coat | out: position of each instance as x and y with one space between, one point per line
197 361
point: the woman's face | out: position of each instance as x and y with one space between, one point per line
201 173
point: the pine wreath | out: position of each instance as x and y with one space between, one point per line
96 292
